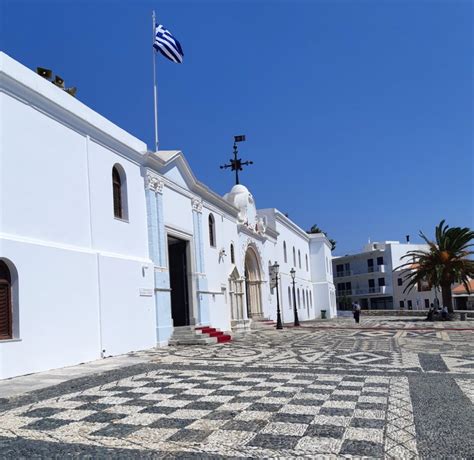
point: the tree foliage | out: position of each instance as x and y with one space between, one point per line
316 229
446 261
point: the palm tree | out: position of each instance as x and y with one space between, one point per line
446 261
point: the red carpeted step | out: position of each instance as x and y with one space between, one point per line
213 332
224 338
206 330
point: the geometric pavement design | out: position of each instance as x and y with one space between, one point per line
292 393
237 413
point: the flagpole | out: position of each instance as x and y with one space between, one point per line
155 90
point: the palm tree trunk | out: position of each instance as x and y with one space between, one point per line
447 296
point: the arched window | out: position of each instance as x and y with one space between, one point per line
299 258
285 258
5 302
294 257
289 296
307 267
212 231
307 298
310 298
232 255
119 192
299 298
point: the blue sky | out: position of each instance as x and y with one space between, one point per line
358 114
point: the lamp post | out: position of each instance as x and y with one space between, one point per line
295 311
275 273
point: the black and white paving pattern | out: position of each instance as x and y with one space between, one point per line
293 393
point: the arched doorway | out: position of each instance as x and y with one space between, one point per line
253 281
236 295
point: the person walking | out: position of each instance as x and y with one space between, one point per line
444 313
356 312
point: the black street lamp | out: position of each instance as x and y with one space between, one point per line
275 273
295 311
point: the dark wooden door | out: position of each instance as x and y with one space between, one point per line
5 310
179 282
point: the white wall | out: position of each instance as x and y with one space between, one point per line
43 177
127 237
177 211
127 316
322 275
416 297
58 308
218 269
79 268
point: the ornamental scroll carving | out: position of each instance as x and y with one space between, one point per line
197 205
154 183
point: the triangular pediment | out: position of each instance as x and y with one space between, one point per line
234 274
173 166
176 169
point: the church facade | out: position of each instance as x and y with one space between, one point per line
107 248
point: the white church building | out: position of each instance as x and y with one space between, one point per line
107 247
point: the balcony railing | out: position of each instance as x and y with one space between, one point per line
371 290
376 269
363 291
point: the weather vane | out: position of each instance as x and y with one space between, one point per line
237 163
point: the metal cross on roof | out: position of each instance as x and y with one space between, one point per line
237 163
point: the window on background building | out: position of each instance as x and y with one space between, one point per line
299 258
427 303
232 255
5 302
119 192
341 286
294 257
370 265
410 305
349 287
381 281
339 270
212 231
400 282
402 304
371 285
307 266
285 258
379 260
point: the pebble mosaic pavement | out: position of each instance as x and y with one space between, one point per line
381 390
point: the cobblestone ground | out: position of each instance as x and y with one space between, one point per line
385 388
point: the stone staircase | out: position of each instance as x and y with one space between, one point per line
240 326
262 323
198 335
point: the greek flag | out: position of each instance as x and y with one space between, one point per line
167 45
